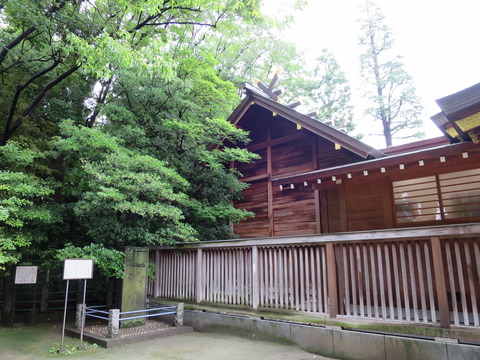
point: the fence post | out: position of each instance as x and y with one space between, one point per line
113 323
255 289
79 316
200 277
332 280
439 271
156 290
179 315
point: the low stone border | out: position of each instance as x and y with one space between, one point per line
332 341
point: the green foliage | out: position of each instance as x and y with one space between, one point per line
391 89
69 349
23 199
325 90
120 196
154 83
108 262
46 42
183 122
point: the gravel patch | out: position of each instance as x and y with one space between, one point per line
151 326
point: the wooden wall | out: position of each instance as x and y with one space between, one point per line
347 204
286 150
367 204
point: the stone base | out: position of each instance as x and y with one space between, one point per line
111 342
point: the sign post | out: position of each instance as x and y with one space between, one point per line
76 269
24 275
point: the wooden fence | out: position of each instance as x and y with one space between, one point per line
423 275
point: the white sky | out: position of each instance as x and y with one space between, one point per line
438 39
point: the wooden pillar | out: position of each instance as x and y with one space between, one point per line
318 215
271 224
332 280
200 280
156 290
440 283
255 284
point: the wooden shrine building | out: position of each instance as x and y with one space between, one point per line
313 178
343 230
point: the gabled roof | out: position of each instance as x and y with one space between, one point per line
256 96
460 116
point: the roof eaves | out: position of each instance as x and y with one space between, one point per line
372 163
324 130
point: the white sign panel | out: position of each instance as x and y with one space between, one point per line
26 275
76 269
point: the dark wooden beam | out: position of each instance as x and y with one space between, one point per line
273 82
294 104
265 89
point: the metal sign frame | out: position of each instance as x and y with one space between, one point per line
26 274
77 269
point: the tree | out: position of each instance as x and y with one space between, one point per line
48 41
183 122
118 196
24 200
329 93
395 102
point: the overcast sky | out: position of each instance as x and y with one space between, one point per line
438 39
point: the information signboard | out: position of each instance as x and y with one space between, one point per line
26 275
77 269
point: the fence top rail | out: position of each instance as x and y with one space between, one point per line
416 233
145 316
91 311
147 310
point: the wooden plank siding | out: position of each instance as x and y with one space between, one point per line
349 201
286 150
367 204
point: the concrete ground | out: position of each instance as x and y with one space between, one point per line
40 341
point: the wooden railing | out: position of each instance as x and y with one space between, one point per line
422 275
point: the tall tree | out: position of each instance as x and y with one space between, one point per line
393 93
328 93
153 98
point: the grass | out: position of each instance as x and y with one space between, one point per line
41 341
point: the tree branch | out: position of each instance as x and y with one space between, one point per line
37 101
20 88
181 23
15 42
101 98
160 13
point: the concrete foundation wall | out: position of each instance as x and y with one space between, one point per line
331 342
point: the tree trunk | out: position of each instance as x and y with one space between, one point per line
45 293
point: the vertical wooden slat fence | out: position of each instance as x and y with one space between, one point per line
175 274
389 280
227 276
293 278
462 257
389 277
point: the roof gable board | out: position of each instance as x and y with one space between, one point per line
255 96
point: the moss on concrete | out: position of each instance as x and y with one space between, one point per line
466 334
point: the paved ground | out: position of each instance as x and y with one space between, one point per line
28 343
